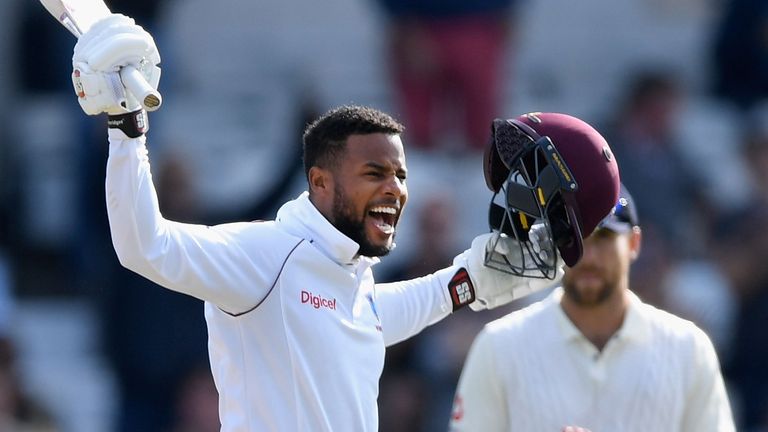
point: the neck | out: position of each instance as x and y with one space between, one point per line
598 323
320 207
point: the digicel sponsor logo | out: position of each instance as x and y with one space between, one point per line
317 301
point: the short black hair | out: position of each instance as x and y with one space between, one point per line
326 138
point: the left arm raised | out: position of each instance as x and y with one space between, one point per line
407 307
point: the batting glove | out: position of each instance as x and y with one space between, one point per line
110 44
494 288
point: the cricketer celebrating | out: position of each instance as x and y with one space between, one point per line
297 327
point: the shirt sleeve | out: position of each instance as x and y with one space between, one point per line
479 403
707 405
209 263
408 307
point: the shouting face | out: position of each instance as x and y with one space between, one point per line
364 194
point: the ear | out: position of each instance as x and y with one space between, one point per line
320 181
635 240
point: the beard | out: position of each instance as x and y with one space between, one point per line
353 227
589 297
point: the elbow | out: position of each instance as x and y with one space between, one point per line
152 260
130 260
129 254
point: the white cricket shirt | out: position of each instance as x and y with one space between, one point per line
532 370
296 326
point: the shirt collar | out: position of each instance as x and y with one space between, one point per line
301 218
634 327
567 329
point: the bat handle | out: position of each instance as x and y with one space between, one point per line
134 81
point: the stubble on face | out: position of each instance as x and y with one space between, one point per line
353 226
589 296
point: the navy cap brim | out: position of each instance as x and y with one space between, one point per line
614 225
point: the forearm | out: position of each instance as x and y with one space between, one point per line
408 307
182 257
135 221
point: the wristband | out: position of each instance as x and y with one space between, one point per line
133 124
461 290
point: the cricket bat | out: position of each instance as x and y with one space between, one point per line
78 16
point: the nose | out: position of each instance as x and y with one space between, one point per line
589 252
396 187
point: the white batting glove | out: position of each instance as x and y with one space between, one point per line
111 43
494 288
541 241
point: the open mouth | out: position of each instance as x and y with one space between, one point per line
384 218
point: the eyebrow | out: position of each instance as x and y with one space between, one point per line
380 167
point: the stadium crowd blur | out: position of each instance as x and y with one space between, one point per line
678 87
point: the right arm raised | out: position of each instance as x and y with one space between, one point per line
232 266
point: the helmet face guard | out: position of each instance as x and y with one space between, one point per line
535 203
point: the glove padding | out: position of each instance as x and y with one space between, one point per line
111 43
494 288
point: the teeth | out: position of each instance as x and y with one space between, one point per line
381 222
388 210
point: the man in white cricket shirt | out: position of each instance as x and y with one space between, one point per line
593 354
297 327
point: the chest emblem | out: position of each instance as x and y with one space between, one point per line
317 301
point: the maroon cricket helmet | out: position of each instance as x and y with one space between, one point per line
551 168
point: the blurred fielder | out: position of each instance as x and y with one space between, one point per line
297 326
593 354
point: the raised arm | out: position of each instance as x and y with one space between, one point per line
234 265
408 307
